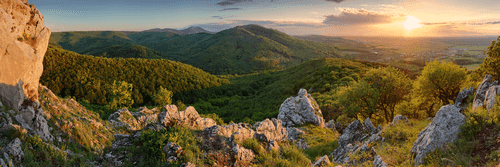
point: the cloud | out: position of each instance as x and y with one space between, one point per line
338 1
232 2
218 17
439 23
226 9
358 17
494 22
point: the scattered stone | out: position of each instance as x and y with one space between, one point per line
295 135
330 124
14 149
270 130
369 126
399 118
442 130
243 155
122 140
188 164
378 162
462 96
490 97
170 116
243 129
323 161
123 118
300 110
172 149
481 92
272 145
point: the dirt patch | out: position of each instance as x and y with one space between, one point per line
488 140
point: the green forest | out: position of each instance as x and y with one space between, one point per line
90 78
239 50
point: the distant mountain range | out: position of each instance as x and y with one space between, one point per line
238 50
187 31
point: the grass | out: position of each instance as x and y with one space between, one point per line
321 141
399 139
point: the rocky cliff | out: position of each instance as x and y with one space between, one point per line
24 40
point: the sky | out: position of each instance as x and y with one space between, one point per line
411 18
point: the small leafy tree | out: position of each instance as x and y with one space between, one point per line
120 95
163 97
491 64
376 94
439 81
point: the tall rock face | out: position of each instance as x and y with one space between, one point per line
23 43
296 111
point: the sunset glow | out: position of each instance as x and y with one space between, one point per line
412 23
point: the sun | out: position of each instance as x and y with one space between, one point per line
412 23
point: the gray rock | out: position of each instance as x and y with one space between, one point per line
490 97
481 92
462 96
442 130
172 149
170 116
270 130
243 155
8 160
378 162
31 118
351 133
295 135
122 140
245 130
369 126
300 110
2 163
124 119
330 124
272 145
14 149
399 118
323 161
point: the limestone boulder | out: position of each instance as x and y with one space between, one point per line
491 96
172 150
170 116
32 118
323 161
296 135
399 118
300 110
244 130
14 149
123 118
378 162
442 130
23 43
481 92
330 124
462 96
270 130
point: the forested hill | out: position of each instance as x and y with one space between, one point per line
238 50
89 78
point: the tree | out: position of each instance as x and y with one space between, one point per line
120 95
163 97
376 94
439 81
491 64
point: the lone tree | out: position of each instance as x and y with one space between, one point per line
120 95
440 81
163 97
376 94
491 64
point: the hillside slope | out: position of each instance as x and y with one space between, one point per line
86 77
242 49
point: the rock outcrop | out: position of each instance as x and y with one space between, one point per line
481 91
356 137
300 110
123 118
378 162
399 118
491 96
323 161
442 130
462 96
23 43
270 130
13 149
170 116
